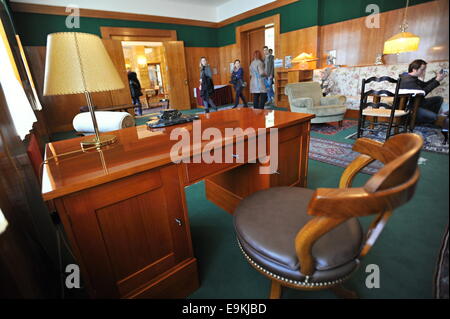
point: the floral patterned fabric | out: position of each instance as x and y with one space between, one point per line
347 80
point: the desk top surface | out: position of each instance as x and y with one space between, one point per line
139 149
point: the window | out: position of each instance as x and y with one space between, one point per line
18 103
270 37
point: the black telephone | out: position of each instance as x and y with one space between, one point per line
170 117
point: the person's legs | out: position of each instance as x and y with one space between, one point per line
236 99
270 92
428 112
241 94
425 116
137 103
263 100
206 105
211 103
256 103
433 104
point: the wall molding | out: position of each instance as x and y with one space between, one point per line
88 13
138 34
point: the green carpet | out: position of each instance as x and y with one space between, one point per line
406 251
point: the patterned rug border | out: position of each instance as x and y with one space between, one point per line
333 160
421 130
329 130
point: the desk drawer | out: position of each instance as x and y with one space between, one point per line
239 156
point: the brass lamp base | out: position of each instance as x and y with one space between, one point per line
100 141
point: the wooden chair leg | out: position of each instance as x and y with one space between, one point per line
340 123
344 293
275 290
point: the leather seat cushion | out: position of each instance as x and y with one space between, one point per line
268 221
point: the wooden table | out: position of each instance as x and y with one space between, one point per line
223 95
124 208
413 101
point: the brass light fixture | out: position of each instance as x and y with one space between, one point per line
403 41
303 59
79 63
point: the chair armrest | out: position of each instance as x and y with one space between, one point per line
303 102
333 99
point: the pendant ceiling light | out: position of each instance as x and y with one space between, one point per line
403 41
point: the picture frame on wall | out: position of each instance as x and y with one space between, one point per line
331 57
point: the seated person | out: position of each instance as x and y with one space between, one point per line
427 113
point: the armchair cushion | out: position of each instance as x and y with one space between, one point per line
333 99
303 102
257 220
329 110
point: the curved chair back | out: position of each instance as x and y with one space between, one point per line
392 186
304 89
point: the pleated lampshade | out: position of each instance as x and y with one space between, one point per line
78 63
401 42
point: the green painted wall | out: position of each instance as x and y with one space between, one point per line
297 15
34 28
332 11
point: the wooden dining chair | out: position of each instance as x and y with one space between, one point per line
391 112
312 240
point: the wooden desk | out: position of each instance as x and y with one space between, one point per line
124 208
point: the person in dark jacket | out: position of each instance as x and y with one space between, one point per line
136 92
206 85
237 79
269 67
429 110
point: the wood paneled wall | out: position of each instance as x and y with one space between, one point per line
60 110
193 56
295 42
358 45
228 54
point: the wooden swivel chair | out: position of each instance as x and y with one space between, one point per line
394 116
312 240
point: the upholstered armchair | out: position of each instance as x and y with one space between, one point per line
306 97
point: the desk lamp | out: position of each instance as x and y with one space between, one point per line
79 63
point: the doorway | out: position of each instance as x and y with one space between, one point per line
148 60
172 62
254 36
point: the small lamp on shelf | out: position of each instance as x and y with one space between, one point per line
79 63
303 59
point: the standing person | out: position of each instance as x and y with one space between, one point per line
237 79
257 75
136 92
269 67
206 85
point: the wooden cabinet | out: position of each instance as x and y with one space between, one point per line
114 228
286 76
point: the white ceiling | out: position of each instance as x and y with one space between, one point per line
204 10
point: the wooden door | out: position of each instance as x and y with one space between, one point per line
255 41
178 80
117 97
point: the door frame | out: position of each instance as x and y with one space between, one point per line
242 42
138 34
